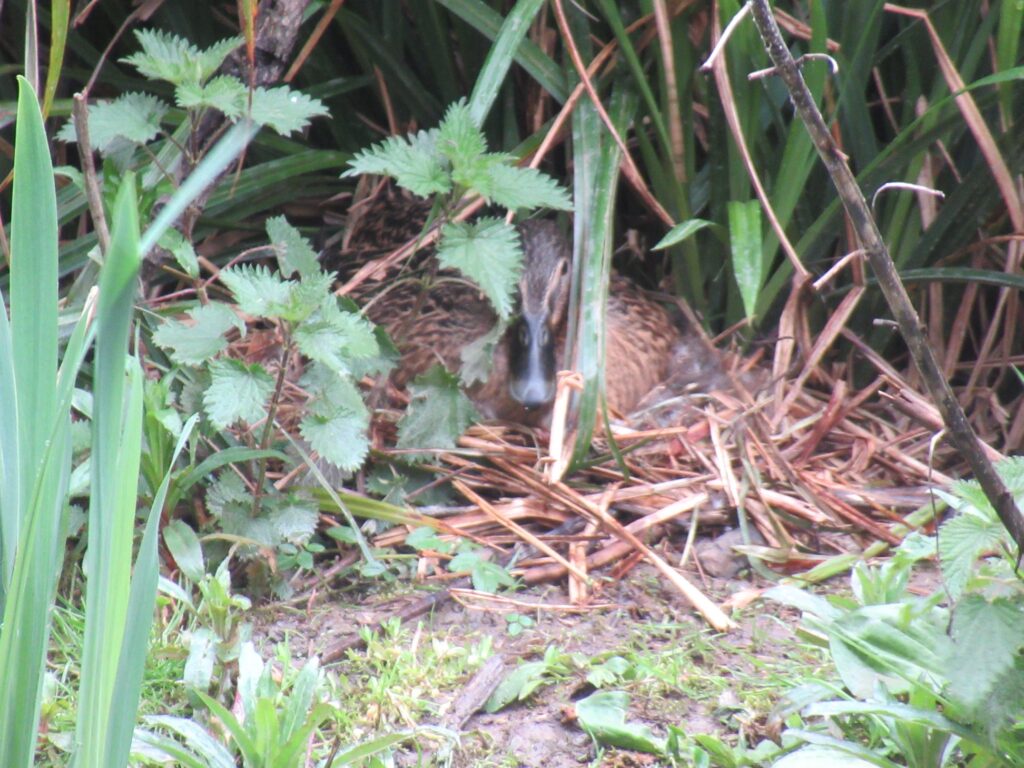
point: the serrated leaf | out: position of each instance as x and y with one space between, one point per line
258 291
224 93
294 253
284 110
962 540
334 337
172 240
196 342
237 392
226 493
294 520
438 412
477 356
168 57
513 187
340 438
337 419
132 117
458 137
489 253
412 161
987 639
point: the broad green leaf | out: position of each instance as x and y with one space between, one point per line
962 540
258 291
284 110
237 392
184 546
134 117
517 685
224 93
294 253
458 138
339 438
513 187
747 261
412 161
987 641
195 343
165 56
603 716
438 412
202 749
182 250
335 337
293 520
337 421
489 253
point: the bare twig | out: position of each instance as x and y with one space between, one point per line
80 111
895 293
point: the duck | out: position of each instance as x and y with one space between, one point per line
437 325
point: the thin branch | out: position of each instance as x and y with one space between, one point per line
896 296
80 112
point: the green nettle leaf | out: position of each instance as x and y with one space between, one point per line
412 161
133 117
285 110
962 540
987 640
196 342
334 337
237 392
513 187
488 252
227 493
438 412
258 291
478 354
337 421
458 137
339 438
224 93
168 57
172 240
294 253
293 519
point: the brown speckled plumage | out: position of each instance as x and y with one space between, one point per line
640 332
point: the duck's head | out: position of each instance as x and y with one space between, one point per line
544 294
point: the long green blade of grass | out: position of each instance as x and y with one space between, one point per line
598 151
488 23
500 57
116 450
141 603
40 434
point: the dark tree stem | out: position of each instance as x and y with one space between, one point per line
896 296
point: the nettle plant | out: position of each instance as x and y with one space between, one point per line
933 680
313 330
142 131
451 165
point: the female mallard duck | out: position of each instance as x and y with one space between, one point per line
436 325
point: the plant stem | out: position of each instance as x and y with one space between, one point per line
896 296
